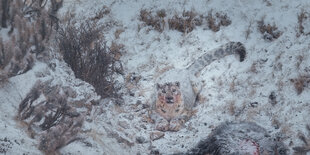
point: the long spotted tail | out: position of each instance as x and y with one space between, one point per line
218 53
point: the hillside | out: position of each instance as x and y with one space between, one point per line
271 87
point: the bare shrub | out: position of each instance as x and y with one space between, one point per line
32 27
104 11
302 150
52 120
214 22
303 23
61 135
155 21
85 51
186 22
270 32
300 83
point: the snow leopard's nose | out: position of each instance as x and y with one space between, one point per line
169 99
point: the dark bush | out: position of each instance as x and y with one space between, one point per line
85 51
32 25
54 121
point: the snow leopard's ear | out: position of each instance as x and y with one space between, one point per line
158 86
177 84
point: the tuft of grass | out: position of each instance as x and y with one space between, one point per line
300 83
303 17
156 21
185 22
216 21
270 32
303 150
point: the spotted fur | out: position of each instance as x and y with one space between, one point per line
177 91
169 103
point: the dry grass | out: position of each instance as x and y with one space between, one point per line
117 50
253 68
232 108
302 18
155 21
52 120
302 150
300 83
118 32
232 87
104 11
31 27
300 59
215 21
185 22
270 32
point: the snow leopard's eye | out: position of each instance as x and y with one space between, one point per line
163 91
174 90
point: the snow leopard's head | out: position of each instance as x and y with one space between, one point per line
169 93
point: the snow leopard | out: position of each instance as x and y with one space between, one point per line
177 90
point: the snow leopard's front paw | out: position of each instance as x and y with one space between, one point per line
176 124
162 125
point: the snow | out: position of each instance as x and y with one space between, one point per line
229 86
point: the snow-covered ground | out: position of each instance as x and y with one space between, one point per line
232 90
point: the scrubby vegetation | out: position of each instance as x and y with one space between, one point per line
30 26
302 150
270 32
303 21
300 83
215 21
52 119
85 51
186 22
